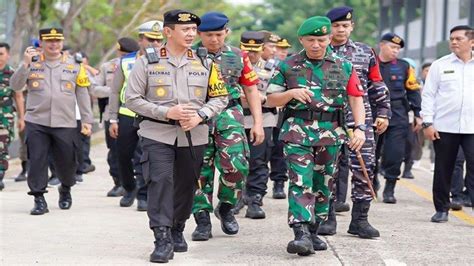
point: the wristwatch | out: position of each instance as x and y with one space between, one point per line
361 127
202 115
426 125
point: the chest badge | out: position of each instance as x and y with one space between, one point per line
69 85
35 84
198 92
160 92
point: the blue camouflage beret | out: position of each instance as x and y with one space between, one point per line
340 13
393 38
213 21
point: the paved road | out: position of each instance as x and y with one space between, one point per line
97 231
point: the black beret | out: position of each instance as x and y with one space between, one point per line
341 13
127 45
51 34
178 16
460 27
393 38
252 41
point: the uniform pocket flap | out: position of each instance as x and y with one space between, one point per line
159 81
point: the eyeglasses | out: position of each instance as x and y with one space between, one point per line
153 40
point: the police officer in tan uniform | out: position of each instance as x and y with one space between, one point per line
122 120
55 83
175 91
101 90
256 184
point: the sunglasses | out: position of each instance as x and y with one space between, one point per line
153 40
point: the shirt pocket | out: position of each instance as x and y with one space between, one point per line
448 82
197 87
36 84
68 87
160 89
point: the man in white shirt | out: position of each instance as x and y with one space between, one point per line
448 115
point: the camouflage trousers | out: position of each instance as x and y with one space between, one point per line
311 171
227 151
6 135
360 188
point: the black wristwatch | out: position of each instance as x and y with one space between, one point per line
202 115
361 127
426 125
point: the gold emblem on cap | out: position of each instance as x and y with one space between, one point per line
156 27
324 29
349 15
396 40
251 41
160 92
184 17
53 31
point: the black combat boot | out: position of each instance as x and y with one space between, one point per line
65 199
407 170
203 229
2 185
128 198
389 191
341 206
318 244
224 213
41 207
302 245
142 205
360 224
328 227
254 211
117 190
179 243
279 190
22 175
163 245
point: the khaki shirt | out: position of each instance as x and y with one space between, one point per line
264 76
114 96
54 87
154 88
102 88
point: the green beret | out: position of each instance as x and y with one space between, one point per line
315 26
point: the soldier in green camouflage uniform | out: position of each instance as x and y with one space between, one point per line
7 95
314 86
228 149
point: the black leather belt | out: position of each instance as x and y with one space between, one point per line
313 115
169 122
264 110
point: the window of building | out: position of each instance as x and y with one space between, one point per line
464 7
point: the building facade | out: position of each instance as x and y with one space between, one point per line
424 24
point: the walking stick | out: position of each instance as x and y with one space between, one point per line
364 169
